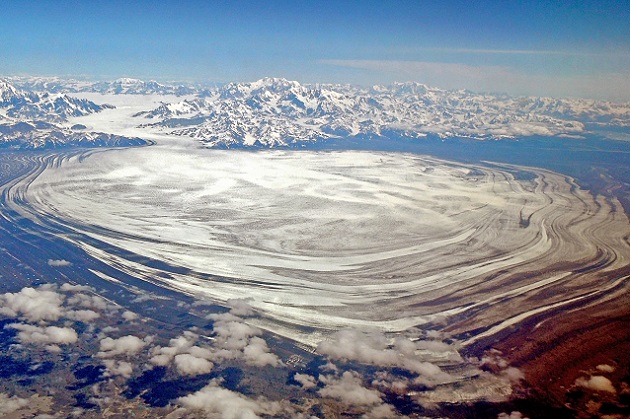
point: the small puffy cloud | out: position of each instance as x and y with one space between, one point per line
235 339
188 364
349 389
391 383
221 403
55 349
605 368
29 333
163 356
370 348
75 288
33 304
375 349
383 411
596 383
58 262
307 381
9 405
257 353
126 345
240 307
118 368
188 358
144 297
495 363
88 301
513 374
129 315
83 315
513 415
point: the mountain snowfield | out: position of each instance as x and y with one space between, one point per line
275 112
31 120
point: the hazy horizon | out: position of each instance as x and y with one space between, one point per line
538 48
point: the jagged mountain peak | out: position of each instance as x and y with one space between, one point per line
128 81
9 94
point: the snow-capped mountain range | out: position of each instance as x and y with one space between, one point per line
120 86
274 112
47 106
38 135
30 120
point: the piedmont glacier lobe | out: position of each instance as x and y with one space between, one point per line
325 241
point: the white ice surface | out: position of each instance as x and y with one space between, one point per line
333 240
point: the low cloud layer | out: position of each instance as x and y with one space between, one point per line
596 383
233 339
33 304
349 389
376 349
49 303
126 345
305 380
44 335
221 403
58 262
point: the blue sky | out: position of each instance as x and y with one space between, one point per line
563 48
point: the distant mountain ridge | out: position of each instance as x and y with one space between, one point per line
47 106
30 120
120 86
276 112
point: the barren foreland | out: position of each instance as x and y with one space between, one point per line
504 281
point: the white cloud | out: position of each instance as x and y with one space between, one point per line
144 297
75 288
375 349
605 368
240 306
126 345
349 389
225 404
33 304
83 315
307 381
188 358
392 383
257 353
29 333
129 315
513 415
118 368
383 411
235 339
89 301
494 362
188 364
58 262
596 383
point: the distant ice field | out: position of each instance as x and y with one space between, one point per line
327 240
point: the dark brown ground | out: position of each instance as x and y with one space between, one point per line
570 345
